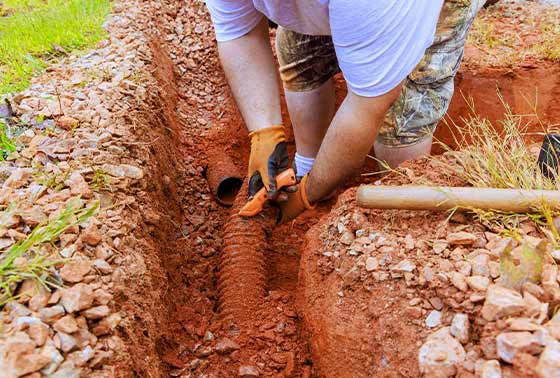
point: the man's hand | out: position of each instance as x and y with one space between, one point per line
269 157
294 203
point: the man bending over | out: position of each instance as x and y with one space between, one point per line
398 58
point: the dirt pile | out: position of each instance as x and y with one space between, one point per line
71 163
403 293
131 126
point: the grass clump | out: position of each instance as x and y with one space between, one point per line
488 158
36 31
37 266
7 143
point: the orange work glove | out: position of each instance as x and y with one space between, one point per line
269 157
295 204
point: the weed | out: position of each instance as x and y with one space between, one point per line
36 31
38 266
7 144
100 180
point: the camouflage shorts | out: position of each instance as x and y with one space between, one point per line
306 62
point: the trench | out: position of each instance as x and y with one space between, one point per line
177 323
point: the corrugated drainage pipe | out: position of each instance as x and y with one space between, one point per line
242 274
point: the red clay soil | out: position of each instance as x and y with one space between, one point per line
178 330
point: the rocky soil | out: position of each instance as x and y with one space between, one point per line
379 287
126 131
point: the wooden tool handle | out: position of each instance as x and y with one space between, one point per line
445 198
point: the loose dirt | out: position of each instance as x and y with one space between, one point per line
191 337
323 316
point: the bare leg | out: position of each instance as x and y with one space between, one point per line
311 113
396 155
347 142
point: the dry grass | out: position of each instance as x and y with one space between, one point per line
508 34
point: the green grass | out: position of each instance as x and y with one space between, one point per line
7 144
32 33
36 265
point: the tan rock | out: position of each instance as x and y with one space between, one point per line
458 280
19 178
67 123
91 235
226 346
549 361
96 312
78 185
33 216
123 170
74 271
66 324
440 355
480 265
50 351
51 314
491 369
439 246
29 363
461 238
248 371
38 332
460 328
65 342
522 324
77 298
478 283
404 266
501 302
371 264
511 343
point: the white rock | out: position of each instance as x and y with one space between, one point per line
491 369
433 319
458 280
478 283
123 170
371 264
55 358
501 302
78 297
460 328
440 355
549 361
511 343
248 371
404 266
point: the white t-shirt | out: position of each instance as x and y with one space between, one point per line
377 42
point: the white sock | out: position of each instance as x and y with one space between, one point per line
303 164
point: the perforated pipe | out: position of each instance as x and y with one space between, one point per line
242 275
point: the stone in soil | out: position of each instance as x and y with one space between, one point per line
78 297
66 324
511 343
460 328
434 319
461 238
549 361
491 369
74 271
478 283
248 371
226 346
440 355
502 302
